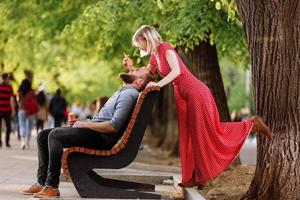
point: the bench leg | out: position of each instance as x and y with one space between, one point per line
119 183
90 185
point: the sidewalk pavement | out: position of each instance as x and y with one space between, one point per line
18 171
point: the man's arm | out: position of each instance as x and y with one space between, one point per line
124 106
103 127
12 105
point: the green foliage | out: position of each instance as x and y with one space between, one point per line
32 32
78 45
234 78
194 21
108 26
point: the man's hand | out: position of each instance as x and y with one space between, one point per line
79 124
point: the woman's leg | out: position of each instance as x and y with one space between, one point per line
30 122
7 119
42 124
22 127
186 154
195 122
37 125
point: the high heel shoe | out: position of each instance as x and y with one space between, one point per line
189 183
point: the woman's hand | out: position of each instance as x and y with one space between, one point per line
127 62
152 84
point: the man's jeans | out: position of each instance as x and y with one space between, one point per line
50 149
7 118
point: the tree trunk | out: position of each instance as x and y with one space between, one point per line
273 35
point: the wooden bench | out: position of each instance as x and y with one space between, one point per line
78 163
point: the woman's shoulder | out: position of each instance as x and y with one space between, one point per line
166 45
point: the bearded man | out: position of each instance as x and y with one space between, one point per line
101 133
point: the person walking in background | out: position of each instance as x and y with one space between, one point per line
7 107
76 108
92 109
27 109
15 120
207 146
103 100
42 114
57 107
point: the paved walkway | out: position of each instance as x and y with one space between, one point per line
18 171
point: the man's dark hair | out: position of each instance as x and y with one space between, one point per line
5 76
58 92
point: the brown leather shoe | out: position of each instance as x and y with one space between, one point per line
47 192
35 188
261 127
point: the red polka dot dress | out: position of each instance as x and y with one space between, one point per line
207 146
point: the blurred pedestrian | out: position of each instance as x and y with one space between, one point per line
15 119
77 109
92 109
237 117
57 107
27 109
42 114
6 107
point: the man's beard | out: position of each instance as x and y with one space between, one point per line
127 78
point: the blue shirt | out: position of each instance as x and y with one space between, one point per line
118 108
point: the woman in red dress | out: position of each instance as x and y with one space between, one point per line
207 146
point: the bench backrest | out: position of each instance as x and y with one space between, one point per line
131 140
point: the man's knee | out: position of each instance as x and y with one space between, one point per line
43 135
56 133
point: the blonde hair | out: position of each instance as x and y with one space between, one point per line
148 34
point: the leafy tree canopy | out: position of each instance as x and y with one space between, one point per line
78 45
